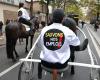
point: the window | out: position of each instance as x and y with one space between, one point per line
10 1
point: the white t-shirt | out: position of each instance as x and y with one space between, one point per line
25 14
54 41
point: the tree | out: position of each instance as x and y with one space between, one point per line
31 8
42 4
92 5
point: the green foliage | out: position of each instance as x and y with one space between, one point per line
75 6
93 7
72 8
42 2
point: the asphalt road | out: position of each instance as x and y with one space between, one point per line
81 73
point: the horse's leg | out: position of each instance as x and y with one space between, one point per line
17 56
26 50
12 50
31 41
9 49
72 59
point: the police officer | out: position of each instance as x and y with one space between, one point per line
23 16
54 41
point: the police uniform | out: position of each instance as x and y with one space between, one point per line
24 18
24 13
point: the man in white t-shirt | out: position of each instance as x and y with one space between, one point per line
54 41
23 16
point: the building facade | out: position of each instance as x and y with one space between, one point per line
9 8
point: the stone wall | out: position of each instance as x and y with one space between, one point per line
8 12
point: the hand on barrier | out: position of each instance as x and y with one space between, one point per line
80 47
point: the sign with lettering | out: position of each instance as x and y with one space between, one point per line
54 39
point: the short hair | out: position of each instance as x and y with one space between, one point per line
70 22
21 5
58 15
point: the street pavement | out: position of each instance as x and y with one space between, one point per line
4 61
96 34
81 73
2 40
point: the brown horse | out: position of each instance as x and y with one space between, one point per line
15 30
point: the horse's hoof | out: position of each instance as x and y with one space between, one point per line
26 51
72 71
14 60
17 57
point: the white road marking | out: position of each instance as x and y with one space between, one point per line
9 69
15 65
94 43
89 50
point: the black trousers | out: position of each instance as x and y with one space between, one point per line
24 21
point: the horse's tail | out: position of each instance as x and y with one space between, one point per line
11 31
9 48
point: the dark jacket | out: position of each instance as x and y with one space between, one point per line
1 24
